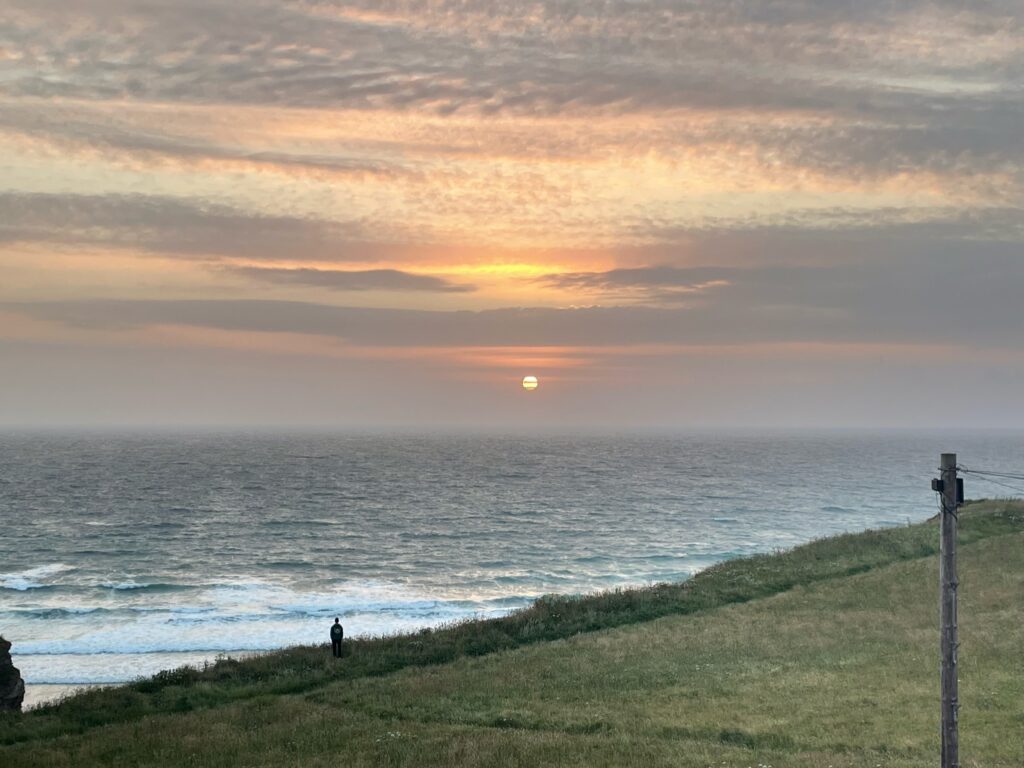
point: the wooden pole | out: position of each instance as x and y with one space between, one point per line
947 613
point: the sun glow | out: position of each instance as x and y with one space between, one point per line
530 383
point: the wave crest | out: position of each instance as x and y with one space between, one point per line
32 578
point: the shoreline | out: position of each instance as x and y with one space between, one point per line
39 694
572 614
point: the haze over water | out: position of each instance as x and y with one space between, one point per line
125 554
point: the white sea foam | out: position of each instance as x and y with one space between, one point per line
32 578
130 584
251 615
133 636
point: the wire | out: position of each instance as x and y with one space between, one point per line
1000 482
1005 476
990 473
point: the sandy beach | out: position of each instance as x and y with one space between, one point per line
39 694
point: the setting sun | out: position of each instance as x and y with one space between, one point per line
530 383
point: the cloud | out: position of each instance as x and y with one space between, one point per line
864 59
172 225
353 280
833 234
926 297
140 136
976 144
775 93
943 300
663 284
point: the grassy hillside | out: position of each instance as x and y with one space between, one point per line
824 655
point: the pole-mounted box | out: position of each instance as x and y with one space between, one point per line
939 486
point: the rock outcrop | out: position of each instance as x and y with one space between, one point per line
12 687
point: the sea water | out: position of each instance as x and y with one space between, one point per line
123 554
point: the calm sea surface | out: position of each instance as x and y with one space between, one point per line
124 554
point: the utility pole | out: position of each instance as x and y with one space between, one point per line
947 612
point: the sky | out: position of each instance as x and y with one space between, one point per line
384 214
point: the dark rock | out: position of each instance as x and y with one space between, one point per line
12 687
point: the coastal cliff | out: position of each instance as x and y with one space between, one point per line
12 687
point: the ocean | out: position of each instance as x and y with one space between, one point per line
124 554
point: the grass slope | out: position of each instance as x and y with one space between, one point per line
824 655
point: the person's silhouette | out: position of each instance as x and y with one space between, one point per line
337 635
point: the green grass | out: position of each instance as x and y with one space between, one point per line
823 655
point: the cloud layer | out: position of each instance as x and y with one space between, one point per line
353 279
599 188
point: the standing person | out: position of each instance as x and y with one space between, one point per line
337 635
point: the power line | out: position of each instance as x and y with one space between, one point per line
1013 488
991 473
